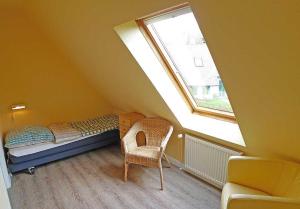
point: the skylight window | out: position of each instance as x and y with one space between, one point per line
177 38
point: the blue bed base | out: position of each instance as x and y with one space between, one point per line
17 164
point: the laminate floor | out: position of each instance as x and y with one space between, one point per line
94 180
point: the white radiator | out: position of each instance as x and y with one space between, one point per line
206 160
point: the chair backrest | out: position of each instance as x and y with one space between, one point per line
155 130
275 177
289 182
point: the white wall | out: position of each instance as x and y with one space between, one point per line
5 181
4 200
3 167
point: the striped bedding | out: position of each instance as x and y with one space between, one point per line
61 132
97 125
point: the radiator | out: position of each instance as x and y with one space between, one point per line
206 160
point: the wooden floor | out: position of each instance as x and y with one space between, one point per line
95 180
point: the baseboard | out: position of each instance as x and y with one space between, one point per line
175 162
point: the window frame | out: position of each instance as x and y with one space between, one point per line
177 80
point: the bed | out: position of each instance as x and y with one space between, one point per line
28 157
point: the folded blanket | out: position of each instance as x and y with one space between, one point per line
64 132
97 125
28 135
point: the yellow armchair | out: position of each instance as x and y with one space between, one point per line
257 183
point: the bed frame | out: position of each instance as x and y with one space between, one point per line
29 162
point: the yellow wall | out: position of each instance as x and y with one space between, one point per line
34 72
255 45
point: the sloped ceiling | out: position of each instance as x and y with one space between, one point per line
34 72
255 45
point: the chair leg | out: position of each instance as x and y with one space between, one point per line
161 176
125 171
169 164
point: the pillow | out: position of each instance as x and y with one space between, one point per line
64 132
27 136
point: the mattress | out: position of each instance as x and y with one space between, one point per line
22 154
27 150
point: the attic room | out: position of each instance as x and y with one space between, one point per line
149 104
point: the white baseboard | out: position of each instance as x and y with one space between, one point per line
175 162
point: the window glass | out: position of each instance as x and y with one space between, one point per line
183 45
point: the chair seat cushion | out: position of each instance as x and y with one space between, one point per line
231 188
145 155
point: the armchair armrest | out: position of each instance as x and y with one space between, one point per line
165 140
240 201
129 140
254 172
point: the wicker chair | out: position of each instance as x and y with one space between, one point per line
157 133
